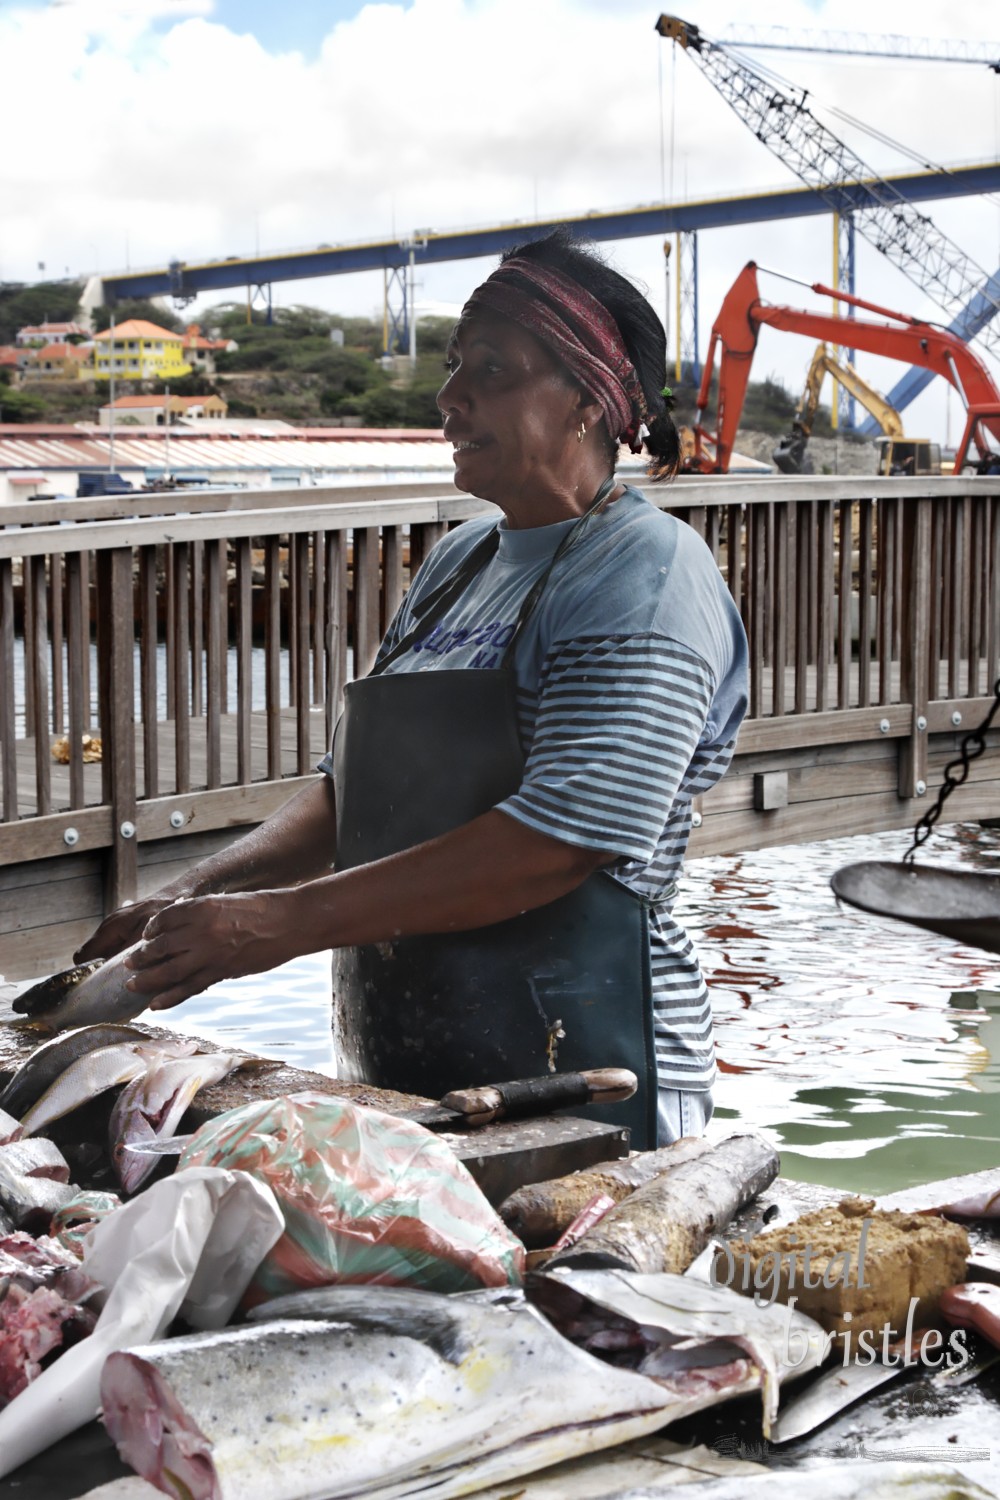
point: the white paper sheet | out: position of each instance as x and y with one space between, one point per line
188 1244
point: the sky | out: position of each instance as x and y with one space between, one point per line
143 130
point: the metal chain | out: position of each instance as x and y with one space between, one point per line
955 773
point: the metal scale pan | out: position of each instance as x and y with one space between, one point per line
960 904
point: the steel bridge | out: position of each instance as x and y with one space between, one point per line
185 280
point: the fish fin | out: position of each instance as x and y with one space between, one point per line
422 1316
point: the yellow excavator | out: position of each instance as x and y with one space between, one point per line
897 454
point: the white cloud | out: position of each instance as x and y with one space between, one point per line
148 126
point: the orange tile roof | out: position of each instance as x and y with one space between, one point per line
52 328
62 351
149 401
138 328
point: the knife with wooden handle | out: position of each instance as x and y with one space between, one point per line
469 1109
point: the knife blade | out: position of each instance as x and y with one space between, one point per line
836 1390
470 1109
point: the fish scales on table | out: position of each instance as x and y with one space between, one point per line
540 1212
381 1392
39 1071
84 994
663 1225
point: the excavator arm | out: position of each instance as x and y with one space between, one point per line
734 338
790 452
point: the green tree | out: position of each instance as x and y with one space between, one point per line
433 334
20 406
46 301
137 307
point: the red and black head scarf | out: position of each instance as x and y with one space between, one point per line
577 328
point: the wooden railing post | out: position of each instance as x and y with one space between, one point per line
915 607
117 720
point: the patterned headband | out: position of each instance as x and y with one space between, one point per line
577 328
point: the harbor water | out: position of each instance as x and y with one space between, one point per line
868 1051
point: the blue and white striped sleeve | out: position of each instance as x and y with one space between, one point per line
617 725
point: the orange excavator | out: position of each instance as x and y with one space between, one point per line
738 326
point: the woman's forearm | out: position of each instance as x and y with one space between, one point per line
296 843
483 872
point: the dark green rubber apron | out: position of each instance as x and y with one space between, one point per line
566 985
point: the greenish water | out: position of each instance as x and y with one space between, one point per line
868 1051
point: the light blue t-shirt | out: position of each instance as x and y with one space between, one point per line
631 684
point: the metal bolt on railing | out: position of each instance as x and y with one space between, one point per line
921 722
177 818
956 718
127 830
884 726
71 836
921 788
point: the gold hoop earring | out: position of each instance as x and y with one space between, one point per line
581 432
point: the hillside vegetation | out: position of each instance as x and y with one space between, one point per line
305 366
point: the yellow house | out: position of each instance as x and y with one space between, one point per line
139 351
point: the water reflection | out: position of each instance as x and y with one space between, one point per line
868 1050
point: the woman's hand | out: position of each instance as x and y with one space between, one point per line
195 942
122 928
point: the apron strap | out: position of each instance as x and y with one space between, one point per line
437 604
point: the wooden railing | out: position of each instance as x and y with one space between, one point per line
225 634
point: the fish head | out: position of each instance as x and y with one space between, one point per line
49 993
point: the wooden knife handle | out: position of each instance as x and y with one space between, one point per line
539 1096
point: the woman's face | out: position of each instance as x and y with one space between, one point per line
513 416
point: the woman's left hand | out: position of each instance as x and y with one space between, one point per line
195 942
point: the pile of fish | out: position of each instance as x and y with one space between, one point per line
41 1286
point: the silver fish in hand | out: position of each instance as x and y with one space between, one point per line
84 994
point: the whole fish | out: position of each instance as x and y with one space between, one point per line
53 1057
381 1392
152 1106
84 994
93 1074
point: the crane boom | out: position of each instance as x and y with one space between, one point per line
858 44
786 125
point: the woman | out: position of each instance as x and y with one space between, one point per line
509 793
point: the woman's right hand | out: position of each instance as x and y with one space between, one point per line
122 928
